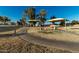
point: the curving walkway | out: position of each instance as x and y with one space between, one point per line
72 46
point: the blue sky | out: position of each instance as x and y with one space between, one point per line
15 12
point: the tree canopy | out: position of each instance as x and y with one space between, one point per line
4 19
74 22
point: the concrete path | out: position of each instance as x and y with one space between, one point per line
74 47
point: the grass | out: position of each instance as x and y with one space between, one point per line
17 45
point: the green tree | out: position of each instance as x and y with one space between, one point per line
1 19
62 23
74 22
53 17
4 19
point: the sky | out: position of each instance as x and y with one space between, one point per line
15 12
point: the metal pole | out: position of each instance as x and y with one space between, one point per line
65 25
15 31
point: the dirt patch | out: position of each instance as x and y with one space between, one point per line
17 45
62 36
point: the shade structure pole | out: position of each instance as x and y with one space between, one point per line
65 25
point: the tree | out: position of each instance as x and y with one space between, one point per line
4 19
62 23
53 17
1 19
30 13
74 22
43 13
42 17
18 22
23 21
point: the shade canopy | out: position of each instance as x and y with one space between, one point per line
33 20
56 20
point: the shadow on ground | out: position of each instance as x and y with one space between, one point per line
9 35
